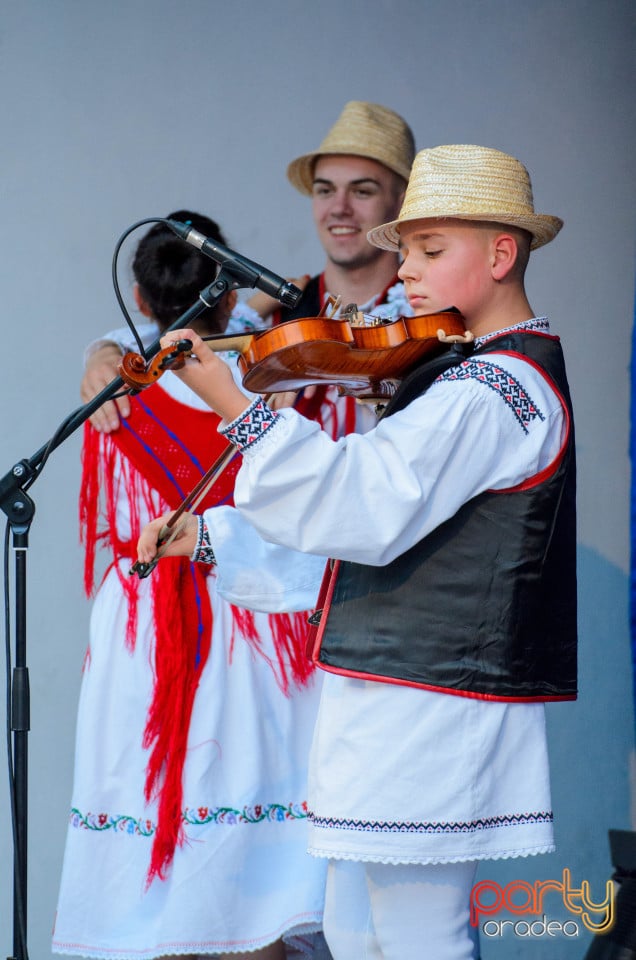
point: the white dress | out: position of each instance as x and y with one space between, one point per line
397 774
243 878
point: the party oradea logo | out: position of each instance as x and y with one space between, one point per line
530 903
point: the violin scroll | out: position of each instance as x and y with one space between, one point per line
137 373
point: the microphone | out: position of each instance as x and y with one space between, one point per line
250 273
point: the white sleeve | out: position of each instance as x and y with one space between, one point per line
258 575
123 338
369 498
243 318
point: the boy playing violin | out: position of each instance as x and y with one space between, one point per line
448 612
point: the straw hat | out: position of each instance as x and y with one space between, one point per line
469 183
362 130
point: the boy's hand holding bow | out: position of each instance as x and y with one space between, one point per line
183 544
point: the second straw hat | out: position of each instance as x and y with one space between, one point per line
467 182
362 130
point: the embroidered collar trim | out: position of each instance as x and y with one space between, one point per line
535 325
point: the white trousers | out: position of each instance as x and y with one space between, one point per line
378 911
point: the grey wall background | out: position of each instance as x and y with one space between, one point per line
110 112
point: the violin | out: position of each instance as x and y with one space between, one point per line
365 356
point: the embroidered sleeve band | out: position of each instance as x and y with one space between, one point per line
250 426
203 552
502 382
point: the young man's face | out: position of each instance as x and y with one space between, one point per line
351 195
446 263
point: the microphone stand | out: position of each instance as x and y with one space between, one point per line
20 509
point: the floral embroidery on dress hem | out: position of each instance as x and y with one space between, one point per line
195 816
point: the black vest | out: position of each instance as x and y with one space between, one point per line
485 605
309 304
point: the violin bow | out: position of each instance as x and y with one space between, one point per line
173 527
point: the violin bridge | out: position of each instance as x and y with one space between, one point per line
356 318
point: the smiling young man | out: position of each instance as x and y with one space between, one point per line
356 179
349 195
